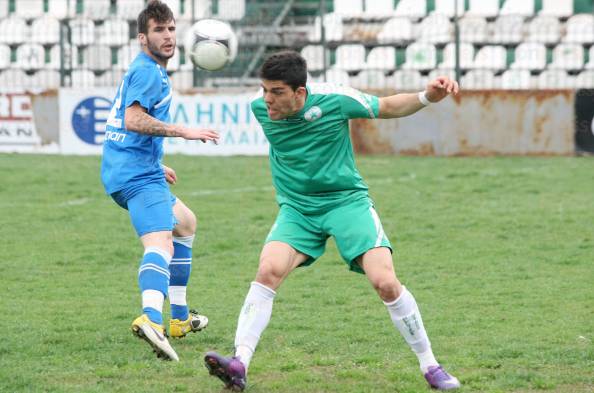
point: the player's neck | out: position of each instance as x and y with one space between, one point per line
159 60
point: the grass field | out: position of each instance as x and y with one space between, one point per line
499 253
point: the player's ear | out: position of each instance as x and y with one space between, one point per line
142 38
301 91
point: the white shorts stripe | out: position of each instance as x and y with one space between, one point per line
379 230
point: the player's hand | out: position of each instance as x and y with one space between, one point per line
201 134
170 175
439 88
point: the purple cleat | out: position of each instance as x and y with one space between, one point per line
439 379
230 370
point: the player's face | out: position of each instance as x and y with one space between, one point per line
160 39
281 100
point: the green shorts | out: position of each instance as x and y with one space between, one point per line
355 226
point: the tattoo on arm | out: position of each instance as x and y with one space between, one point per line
143 123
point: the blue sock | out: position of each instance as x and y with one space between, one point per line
180 267
153 280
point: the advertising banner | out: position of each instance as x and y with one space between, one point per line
17 128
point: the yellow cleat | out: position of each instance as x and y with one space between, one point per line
154 335
194 323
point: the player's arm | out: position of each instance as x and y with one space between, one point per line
404 104
138 120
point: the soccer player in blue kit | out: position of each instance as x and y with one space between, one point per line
134 176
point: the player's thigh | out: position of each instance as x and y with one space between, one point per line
185 219
277 260
150 209
356 228
379 269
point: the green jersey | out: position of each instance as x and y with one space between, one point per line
311 156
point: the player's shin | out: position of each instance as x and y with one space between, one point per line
253 319
180 268
407 319
153 280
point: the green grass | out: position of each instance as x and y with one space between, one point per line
499 253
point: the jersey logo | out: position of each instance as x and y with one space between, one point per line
313 114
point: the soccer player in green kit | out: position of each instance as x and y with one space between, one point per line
321 194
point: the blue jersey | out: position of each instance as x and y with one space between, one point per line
129 158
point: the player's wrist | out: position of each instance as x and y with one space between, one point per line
422 96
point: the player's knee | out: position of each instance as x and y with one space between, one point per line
386 288
269 273
186 225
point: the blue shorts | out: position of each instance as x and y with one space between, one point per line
150 207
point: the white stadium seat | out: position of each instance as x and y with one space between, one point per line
557 8
516 80
97 57
14 30
554 79
59 55
348 8
3 8
436 29
508 29
45 30
82 78
483 8
14 78
545 29
231 10
590 64
82 31
30 57
350 57
530 56
473 29
28 9
369 79
338 77
420 56
437 72
406 80
202 9
396 30
129 9
113 32
381 58
175 6
580 29
448 7
333 28
478 80
490 57
109 78
61 9
466 56
47 79
568 57
314 55
585 80
412 9
4 56
96 9
126 54
174 62
181 28
523 8
379 8
182 80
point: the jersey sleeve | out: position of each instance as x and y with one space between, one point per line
357 105
144 87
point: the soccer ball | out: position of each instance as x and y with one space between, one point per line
211 44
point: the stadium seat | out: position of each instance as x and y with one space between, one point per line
109 78
396 30
126 54
516 80
182 80
47 79
412 9
436 29
483 8
174 62
129 9
448 7
554 79
181 28
28 9
568 57
406 80
45 30
437 72
466 56
96 57
175 6
524 8
473 29
491 57
30 57
82 78
3 8
96 9
478 80
61 9
14 78
4 56
420 56
82 31
557 8
350 57
379 8
202 9
381 58
348 8
369 79
58 55
113 32
333 28
338 77
508 29
231 10
545 29
590 64
585 80
314 55
14 30
530 56
580 29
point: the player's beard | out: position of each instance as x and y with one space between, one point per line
157 53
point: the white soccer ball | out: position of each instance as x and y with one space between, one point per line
211 44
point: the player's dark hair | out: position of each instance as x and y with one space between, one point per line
155 10
287 66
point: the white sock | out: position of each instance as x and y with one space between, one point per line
153 299
253 319
407 319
